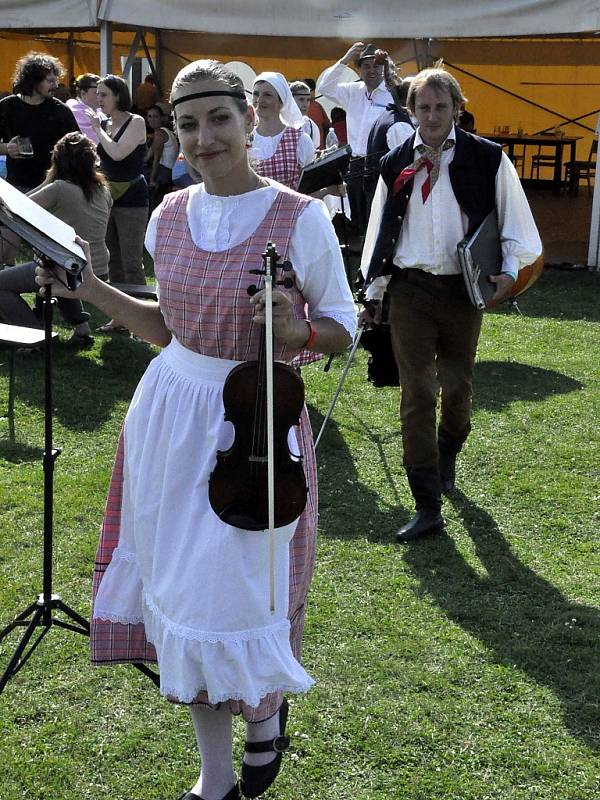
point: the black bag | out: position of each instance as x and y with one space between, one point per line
382 369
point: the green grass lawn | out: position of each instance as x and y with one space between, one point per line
465 667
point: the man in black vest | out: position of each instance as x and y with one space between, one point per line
433 190
392 128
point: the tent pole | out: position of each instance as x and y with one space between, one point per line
593 259
137 39
105 47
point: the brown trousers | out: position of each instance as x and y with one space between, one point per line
434 330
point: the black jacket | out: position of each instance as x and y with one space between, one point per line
377 146
472 175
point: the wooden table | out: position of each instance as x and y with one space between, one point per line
509 140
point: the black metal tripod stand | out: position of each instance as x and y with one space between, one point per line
41 615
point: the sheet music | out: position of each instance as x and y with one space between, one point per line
19 205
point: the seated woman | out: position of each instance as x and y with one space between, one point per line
279 148
174 582
160 157
75 192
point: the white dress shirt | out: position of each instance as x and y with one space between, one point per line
432 230
362 108
218 223
398 133
311 129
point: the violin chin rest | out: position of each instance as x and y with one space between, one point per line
239 518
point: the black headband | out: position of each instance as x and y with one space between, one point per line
220 93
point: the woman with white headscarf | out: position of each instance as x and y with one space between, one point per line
279 148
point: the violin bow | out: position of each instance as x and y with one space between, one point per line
270 254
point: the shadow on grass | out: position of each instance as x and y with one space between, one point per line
347 507
19 452
85 390
498 383
521 618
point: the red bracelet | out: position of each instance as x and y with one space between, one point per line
311 336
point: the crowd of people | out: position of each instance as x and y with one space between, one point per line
174 582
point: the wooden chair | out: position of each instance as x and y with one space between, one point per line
575 170
542 159
13 338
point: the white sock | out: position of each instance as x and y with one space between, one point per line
263 731
214 737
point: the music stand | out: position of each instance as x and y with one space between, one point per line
42 613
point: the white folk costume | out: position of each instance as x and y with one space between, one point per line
172 582
282 157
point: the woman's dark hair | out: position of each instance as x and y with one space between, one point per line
208 69
120 89
86 81
337 114
31 69
74 160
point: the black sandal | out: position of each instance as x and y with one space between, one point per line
233 794
256 780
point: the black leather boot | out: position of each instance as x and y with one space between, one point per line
424 484
448 451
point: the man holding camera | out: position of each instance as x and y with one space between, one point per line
364 101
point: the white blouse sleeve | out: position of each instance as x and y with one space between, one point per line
150 239
305 152
317 260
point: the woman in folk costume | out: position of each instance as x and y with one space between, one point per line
279 147
173 582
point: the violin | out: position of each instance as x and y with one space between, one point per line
238 487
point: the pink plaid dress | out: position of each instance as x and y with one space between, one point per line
172 582
283 165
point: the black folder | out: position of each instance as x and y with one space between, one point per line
325 170
47 235
480 255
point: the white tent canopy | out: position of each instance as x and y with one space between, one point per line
360 20
345 19
58 14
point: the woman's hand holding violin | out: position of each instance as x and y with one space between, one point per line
294 332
